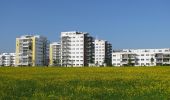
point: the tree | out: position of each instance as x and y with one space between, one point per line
97 63
30 47
130 61
152 60
56 62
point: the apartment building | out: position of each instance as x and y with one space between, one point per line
55 54
32 50
141 57
77 49
7 59
103 53
122 58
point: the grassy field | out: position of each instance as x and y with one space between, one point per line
128 83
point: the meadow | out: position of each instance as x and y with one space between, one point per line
110 83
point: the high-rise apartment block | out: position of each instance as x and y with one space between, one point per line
55 54
141 57
77 49
7 59
32 50
103 53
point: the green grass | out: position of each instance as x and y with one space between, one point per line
128 83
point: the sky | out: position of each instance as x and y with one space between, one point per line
125 23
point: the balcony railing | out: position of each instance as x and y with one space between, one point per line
126 62
159 61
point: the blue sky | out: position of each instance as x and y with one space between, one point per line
125 23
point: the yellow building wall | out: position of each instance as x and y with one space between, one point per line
33 51
51 55
17 51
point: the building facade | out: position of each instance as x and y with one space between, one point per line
77 49
141 57
32 50
55 54
103 53
7 59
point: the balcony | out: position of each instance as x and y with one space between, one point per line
166 56
126 62
166 63
65 40
25 63
159 61
160 55
25 56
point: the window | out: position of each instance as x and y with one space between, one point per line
114 64
147 64
166 50
160 50
142 64
142 54
114 59
142 59
137 63
114 55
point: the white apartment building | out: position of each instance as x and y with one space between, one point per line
77 49
103 53
55 54
141 57
7 59
32 50
121 58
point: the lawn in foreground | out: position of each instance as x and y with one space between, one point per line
138 83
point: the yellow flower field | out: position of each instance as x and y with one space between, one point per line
109 83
